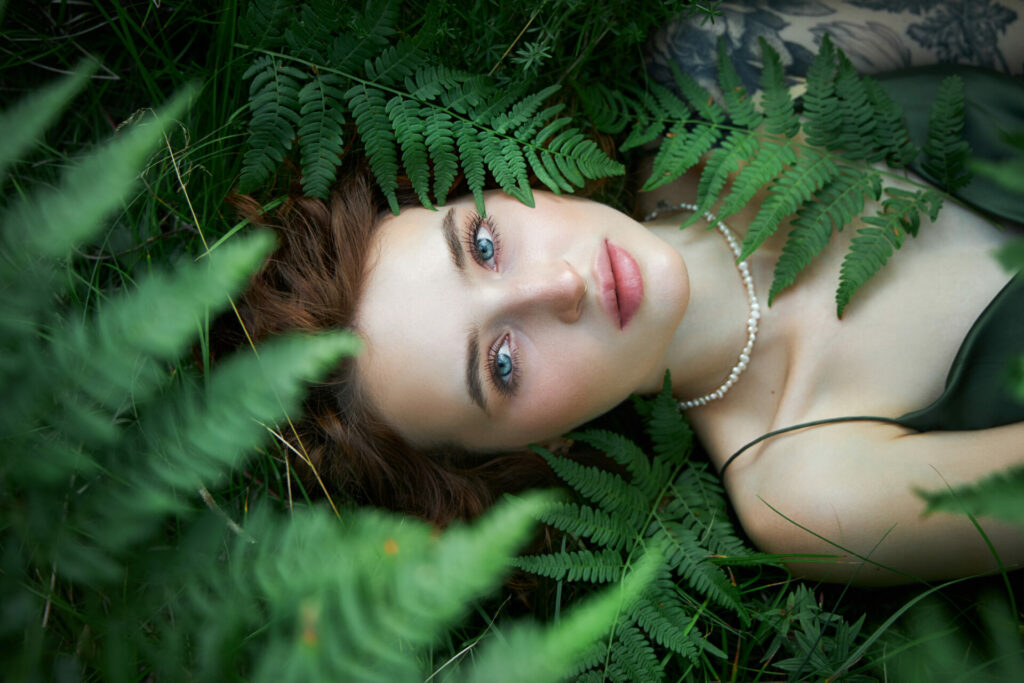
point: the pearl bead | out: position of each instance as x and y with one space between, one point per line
755 307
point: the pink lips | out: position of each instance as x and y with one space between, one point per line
620 282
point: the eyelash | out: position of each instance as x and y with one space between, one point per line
473 225
504 388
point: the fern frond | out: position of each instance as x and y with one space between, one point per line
946 153
471 156
834 206
440 140
680 151
738 146
795 186
684 553
700 503
698 97
607 109
263 25
407 122
603 566
394 63
522 111
633 652
891 135
321 139
369 109
738 102
873 245
623 451
780 114
662 615
505 160
371 31
602 528
822 115
771 159
858 128
669 431
606 489
1000 495
274 99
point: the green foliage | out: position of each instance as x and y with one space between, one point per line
817 185
403 105
107 457
998 495
672 505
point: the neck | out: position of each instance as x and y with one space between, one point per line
707 343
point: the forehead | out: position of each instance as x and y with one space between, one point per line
413 316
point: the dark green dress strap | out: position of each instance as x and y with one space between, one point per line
977 394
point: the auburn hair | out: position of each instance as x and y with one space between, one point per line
311 282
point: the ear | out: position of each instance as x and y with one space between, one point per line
559 445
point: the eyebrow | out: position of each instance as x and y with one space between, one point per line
474 387
451 238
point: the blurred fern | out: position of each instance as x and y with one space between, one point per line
105 451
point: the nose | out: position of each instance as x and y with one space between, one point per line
555 288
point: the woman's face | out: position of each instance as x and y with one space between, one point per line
513 329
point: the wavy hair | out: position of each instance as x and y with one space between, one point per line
313 282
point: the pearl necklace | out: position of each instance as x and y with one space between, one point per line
755 307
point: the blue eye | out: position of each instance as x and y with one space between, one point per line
483 244
503 362
504 372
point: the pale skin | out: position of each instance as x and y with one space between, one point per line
537 306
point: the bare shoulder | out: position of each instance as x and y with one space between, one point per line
848 490
877 36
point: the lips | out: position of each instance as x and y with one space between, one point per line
620 282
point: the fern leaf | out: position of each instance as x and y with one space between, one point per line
22 124
835 205
370 34
796 185
771 159
605 108
891 135
623 451
608 490
369 109
633 652
471 156
662 615
320 132
700 504
394 63
522 111
440 140
684 553
1000 495
946 153
737 101
873 245
822 115
263 25
738 146
407 122
603 566
582 520
668 428
858 128
780 115
508 165
680 151
274 99
547 170
699 98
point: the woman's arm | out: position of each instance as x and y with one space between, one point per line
854 485
877 36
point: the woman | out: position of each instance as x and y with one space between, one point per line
485 335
